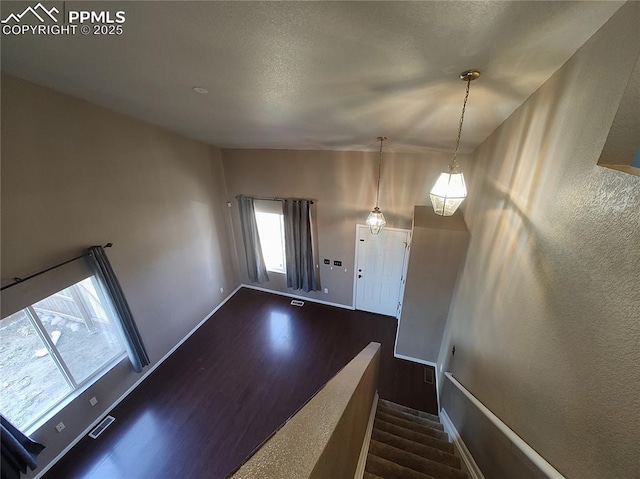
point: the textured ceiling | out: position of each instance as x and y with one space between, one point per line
313 75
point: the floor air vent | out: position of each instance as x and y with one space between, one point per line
99 429
428 375
297 302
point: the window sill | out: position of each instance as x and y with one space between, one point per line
75 394
276 271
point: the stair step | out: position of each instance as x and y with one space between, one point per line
390 470
422 429
412 435
422 450
409 410
368 475
415 462
411 417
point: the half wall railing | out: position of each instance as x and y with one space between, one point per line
325 437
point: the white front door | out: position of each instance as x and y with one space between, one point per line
380 267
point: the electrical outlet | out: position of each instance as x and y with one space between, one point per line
326 290
221 289
60 427
93 401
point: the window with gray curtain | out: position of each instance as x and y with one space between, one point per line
256 268
299 245
61 328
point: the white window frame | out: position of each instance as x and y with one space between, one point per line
76 388
271 268
274 208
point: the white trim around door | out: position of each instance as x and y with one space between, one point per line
363 229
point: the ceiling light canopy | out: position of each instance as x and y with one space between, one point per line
450 190
376 220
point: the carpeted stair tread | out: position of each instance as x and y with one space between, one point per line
411 417
421 450
414 462
410 444
412 435
390 470
422 429
408 410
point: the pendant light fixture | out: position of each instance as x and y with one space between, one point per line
376 221
450 190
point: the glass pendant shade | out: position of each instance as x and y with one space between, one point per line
376 221
448 193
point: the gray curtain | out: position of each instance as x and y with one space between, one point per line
18 451
133 341
298 245
256 268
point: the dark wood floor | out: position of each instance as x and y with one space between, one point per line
234 382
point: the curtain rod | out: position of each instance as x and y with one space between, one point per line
22 280
274 198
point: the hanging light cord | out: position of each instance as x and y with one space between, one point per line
381 138
454 164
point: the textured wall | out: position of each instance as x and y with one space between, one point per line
75 175
546 317
487 442
343 185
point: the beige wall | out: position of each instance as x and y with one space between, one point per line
493 452
75 175
343 185
546 317
624 137
438 248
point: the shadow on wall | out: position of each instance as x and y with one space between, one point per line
543 319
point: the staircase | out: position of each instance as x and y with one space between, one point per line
410 444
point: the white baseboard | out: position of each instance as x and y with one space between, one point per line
362 460
296 296
469 462
415 360
130 390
